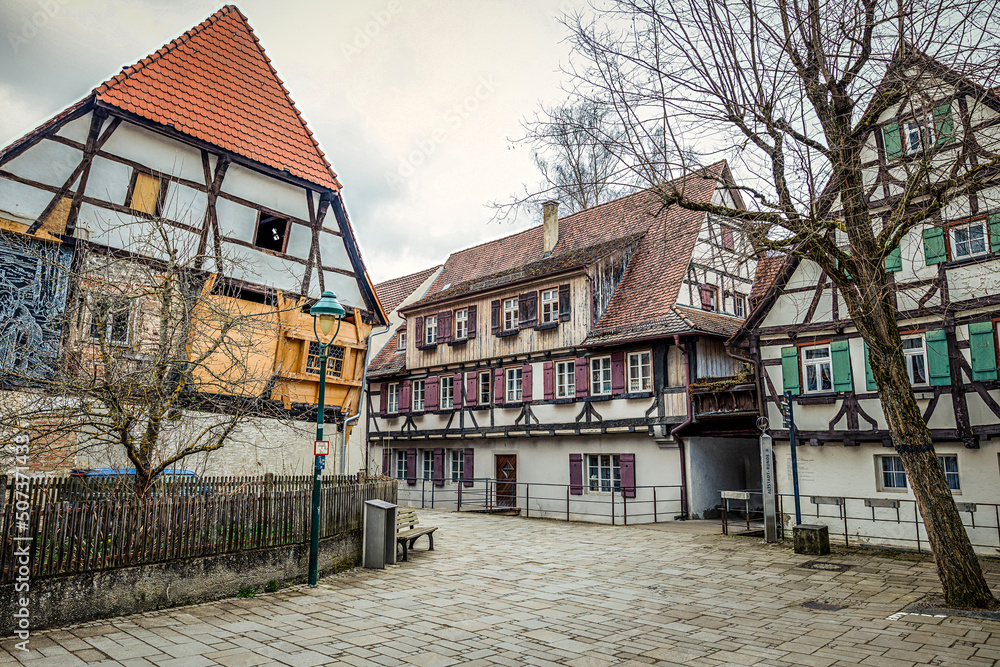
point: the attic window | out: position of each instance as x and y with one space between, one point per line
728 242
272 232
146 193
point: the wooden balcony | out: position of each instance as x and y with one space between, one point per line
731 396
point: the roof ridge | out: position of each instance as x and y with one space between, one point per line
410 275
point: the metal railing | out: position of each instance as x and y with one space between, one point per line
650 504
888 522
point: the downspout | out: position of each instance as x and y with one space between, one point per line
361 398
687 422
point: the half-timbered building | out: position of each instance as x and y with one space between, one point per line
581 359
199 141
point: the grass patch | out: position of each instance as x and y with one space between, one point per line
246 592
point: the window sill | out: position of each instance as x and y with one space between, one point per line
442 411
547 326
558 401
966 261
479 408
595 399
456 343
520 404
817 399
923 393
430 346
638 394
510 332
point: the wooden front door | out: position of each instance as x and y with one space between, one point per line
506 480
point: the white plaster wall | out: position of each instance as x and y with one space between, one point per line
156 151
77 130
22 201
47 162
108 181
266 191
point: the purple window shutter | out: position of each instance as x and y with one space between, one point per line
472 389
411 466
444 326
456 386
626 463
431 393
576 474
495 317
618 373
564 305
386 455
527 310
404 396
438 472
469 466
383 398
706 297
419 335
548 373
526 383
580 366
498 393
472 322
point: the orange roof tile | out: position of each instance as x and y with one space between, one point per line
216 84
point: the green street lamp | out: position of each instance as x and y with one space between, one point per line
326 312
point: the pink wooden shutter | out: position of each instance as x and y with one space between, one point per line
431 393
472 389
438 473
626 463
444 326
411 466
618 373
498 394
576 474
564 304
472 322
404 396
419 334
469 466
386 456
495 317
456 387
706 297
548 380
383 398
526 383
581 376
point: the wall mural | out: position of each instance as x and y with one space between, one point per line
34 277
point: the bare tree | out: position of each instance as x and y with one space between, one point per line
792 93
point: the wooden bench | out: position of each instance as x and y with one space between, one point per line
407 530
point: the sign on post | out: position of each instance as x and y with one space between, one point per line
767 484
321 447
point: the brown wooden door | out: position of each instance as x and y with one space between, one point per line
506 465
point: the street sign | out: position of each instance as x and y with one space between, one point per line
767 484
321 447
320 463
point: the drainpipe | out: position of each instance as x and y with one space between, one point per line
361 398
687 422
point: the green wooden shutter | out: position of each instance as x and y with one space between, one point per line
870 383
790 369
934 248
840 351
983 349
944 126
938 366
994 226
893 142
894 260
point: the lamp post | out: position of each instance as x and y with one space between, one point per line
325 313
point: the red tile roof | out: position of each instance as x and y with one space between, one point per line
768 268
389 360
393 292
215 83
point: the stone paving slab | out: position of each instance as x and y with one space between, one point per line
513 591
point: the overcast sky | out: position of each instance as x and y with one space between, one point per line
413 101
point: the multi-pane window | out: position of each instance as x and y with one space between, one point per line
893 475
484 388
510 315
427 459
461 324
816 368
640 372
457 465
400 464
401 344
513 385
550 306
109 320
447 384
334 360
968 239
600 376
431 330
565 379
916 360
919 134
603 473
739 305
418 395
392 398
950 464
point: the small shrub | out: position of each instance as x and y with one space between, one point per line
246 592
272 586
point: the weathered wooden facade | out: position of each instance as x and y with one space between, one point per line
196 150
580 353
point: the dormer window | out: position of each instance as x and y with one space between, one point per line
272 232
401 341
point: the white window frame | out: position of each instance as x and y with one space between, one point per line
645 378
109 303
894 469
548 312
457 465
446 398
565 379
400 471
921 128
462 324
485 388
392 398
603 473
401 344
967 227
431 330
513 387
909 356
417 395
600 376
953 474
805 363
427 464
739 305
510 314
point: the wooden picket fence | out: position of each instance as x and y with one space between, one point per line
64 537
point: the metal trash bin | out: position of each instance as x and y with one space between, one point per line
379 547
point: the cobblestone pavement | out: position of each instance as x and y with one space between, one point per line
511 591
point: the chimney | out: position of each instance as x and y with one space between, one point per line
550 210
